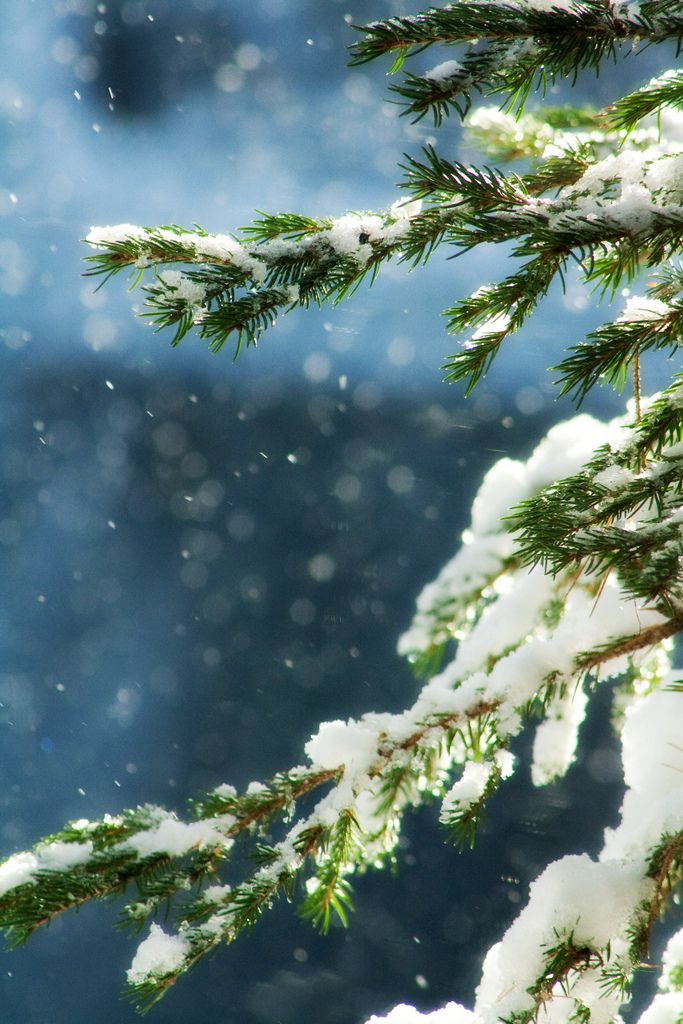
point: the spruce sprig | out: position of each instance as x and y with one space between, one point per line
663 91
588 520
329 891
299 262
513 49
609 352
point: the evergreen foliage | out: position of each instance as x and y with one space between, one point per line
579 583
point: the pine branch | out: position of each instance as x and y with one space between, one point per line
297 261
514 49
628 645
462 717
25 906
611 350
463 807
661 425
102 859
664 91
610 518
591 22
446 181
261 802
329 890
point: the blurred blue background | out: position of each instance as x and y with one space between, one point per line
200 559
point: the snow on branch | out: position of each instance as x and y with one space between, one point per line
527 642
511 47
610 215
572 951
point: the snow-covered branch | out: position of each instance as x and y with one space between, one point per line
581 583
527 642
